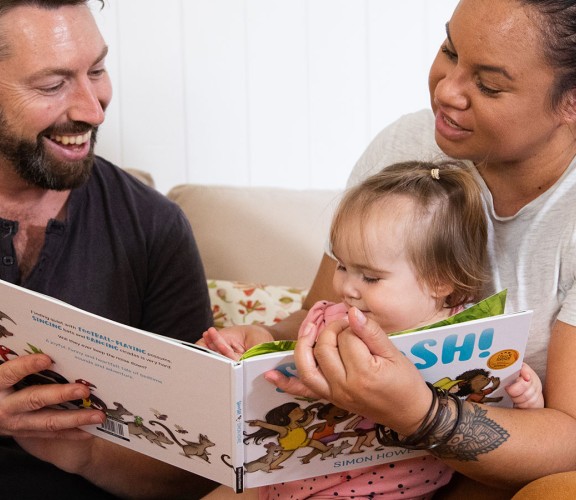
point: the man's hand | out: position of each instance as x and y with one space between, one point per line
26 413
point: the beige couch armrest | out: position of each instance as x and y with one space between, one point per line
142 176
256 234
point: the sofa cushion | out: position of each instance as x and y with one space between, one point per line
236 303
257 234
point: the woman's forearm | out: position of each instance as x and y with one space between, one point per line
510 447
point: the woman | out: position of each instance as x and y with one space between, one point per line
503 94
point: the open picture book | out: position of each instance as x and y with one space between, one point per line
219 418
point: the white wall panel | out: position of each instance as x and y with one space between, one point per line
398 71
438 13
110 132
277 51
338 83
404 39
151 91
262 92
216 91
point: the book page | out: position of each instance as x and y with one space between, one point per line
164 399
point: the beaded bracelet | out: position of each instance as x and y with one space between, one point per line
387 436
459 405
434 417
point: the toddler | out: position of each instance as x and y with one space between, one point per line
410 243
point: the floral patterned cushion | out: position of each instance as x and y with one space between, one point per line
237 303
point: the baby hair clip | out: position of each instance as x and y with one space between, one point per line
435 173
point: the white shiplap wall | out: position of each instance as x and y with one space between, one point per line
261 92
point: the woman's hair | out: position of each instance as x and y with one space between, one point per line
557 21
447 234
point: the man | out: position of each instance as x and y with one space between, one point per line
77 228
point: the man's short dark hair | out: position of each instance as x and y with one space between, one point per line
8 5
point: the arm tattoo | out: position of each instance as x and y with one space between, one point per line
476 434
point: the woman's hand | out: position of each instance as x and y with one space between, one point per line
234 341
354 365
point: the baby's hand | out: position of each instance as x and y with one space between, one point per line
526 390
234 341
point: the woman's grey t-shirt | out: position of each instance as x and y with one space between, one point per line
532 253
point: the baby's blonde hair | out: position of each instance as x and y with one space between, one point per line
446 242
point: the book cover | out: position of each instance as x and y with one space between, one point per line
219 418
474 354
168 400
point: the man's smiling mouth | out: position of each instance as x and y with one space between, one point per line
66 140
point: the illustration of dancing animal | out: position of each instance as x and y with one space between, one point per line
190 448
119 412
336 450
262 463
138 429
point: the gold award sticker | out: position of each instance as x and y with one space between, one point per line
503 359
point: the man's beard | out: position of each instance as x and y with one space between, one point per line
37 167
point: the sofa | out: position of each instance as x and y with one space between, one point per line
261 248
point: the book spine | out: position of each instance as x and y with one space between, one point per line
238 426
